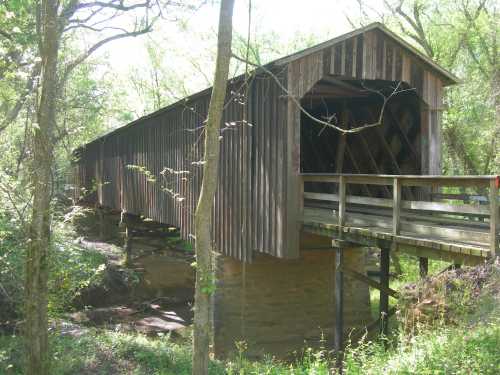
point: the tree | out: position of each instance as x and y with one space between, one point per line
203 214
55 19
37 255
463 37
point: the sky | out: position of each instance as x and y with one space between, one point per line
284 17
194 39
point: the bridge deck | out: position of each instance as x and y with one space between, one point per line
457 227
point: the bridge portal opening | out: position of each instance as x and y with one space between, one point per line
393 147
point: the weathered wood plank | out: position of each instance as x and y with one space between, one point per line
374 284
396 206
406 180
470 209
426 233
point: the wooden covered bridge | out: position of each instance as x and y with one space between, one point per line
298 200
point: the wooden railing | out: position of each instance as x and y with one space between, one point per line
470 221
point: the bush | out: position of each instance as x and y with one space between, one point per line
72 268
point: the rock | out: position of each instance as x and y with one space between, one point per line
154 324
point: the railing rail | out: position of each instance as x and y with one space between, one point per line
469 215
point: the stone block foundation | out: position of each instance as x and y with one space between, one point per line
279 306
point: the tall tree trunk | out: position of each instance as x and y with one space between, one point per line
39 244
203 216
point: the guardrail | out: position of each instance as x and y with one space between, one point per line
474 221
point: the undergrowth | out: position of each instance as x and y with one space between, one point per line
72 268
446 350
449 324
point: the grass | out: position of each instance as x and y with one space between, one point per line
103 352
447 350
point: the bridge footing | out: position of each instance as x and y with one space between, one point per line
279 306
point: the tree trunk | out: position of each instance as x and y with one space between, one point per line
203 215
39 244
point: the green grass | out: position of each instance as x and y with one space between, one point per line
105 352
455 350
446 350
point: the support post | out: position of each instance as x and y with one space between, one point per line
424 267
396 207
494 217
339 308
342 202
384 297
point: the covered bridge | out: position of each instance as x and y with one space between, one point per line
286 178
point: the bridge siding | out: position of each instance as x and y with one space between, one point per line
256 205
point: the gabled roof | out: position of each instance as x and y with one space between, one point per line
448 77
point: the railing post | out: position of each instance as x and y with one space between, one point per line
396 207
342 201
494 217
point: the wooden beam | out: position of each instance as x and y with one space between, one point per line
445 252
374 284
339 159
344 84
384 296
342 201
398 127
372 160
406 180
396 207
470 209
425 231
337 243
356 167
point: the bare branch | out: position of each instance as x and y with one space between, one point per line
73 64
115 4
415 24
14 111
328 124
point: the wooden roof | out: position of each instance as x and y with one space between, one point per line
447 77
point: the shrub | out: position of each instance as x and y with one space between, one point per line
72 268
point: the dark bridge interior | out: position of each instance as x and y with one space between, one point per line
391 148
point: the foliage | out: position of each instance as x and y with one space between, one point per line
72 268
462 36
